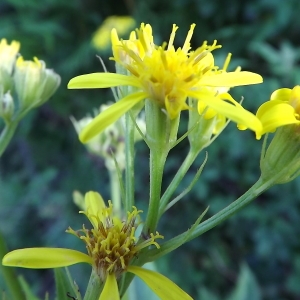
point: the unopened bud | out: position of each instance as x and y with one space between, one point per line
34 83
281 160
7 106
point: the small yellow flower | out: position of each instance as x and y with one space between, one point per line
8 54
168 77
101 38
282 109
111 245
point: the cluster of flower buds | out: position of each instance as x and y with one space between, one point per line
110 143
31 81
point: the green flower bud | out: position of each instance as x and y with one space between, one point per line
203 129
7 106
110 143
281 160
34 83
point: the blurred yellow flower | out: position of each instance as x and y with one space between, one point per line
111 245
101 39
8 54
168 77
282 109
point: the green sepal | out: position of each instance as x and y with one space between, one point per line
65 286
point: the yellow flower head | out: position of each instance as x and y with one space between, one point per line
282 109
168 76
111 245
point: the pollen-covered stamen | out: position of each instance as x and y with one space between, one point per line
146 38
112 244
226 62
187 46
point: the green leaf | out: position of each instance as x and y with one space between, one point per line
247 287
26 289
205 294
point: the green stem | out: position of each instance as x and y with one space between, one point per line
259 187
7 134
157 162
9 130
9 275
94 287
190 158
129 166
115 191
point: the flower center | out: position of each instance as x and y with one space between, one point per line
112 244
166 74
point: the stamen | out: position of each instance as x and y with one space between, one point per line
172 36
187 46
226 62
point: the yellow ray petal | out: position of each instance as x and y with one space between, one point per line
110 290
101 80
231 79
161 285
93 204
282 95
110 115
274 114
43 258
235 113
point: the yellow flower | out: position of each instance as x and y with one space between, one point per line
111 245
101 38
8 54
282 109
168 77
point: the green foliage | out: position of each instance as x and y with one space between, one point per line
45 162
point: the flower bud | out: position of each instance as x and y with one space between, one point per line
281 160
34 83
203 126
110 143
7 106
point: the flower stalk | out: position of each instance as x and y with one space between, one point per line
258 188
129 158
9 275
94 288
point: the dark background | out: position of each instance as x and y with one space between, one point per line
45 162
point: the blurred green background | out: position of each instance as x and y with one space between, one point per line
45 162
